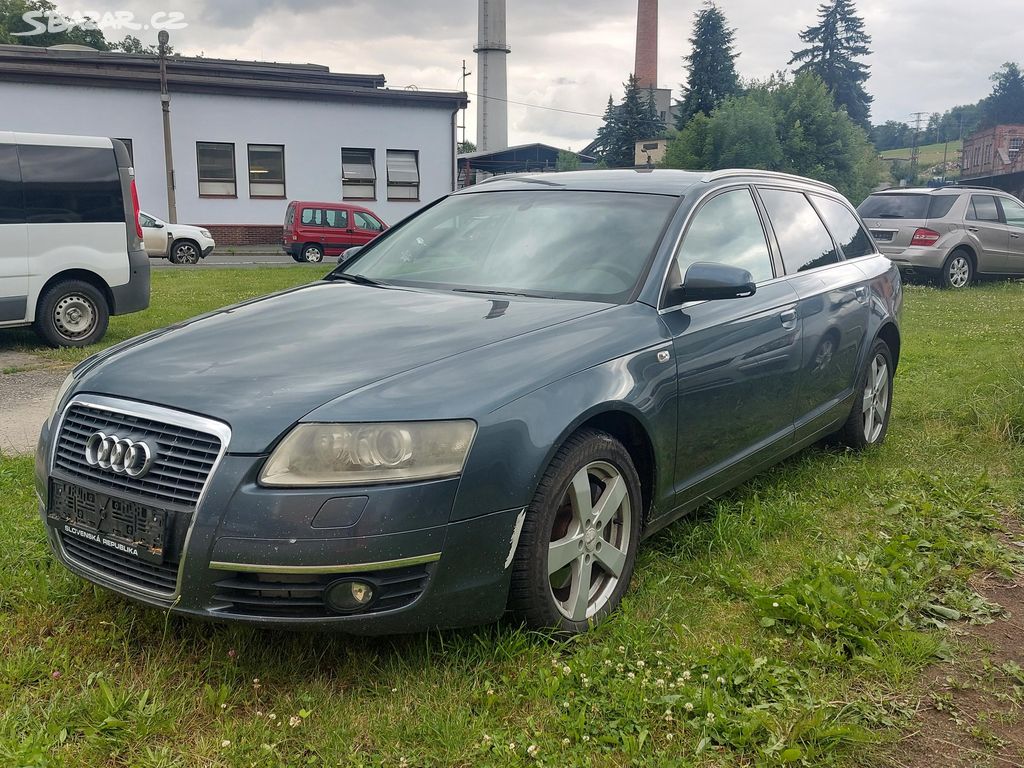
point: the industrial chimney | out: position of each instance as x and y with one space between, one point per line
492 78
646 66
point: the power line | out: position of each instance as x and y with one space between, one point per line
537 106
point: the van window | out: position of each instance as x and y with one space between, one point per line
70 185
313 217
336 218
365 221
804 241
289 215
12 208
851 236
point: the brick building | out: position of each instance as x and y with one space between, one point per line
995 157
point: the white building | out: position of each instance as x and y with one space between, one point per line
246 137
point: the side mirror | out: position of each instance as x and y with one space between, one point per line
348 253
706 281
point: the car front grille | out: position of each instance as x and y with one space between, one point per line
161 578
302 597
184 456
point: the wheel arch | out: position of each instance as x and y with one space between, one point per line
890 334
967 248
85 276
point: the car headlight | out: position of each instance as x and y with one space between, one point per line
358 454
206 233
61 393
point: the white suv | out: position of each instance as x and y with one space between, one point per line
178 243
70 242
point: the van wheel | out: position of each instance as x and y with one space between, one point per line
184 252
579 537
72 314
312 254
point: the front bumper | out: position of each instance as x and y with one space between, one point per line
207 250
266 556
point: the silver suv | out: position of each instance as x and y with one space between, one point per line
951 234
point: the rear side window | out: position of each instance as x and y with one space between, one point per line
848 232
313 217
983 208
941 205
289 215
898 206
336 218
804 241
728 230
12 208
70 185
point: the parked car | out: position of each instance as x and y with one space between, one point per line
315 230
178 243
70 242
949 234
492 404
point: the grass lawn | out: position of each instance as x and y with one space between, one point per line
790 622
929 154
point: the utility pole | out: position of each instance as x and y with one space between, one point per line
165 106
913 151
465 74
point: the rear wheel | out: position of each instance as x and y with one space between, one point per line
312 254
868 422
958 270
578 544
185 252
72 314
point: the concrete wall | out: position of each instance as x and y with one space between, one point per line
312 133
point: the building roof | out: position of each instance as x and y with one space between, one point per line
108 69
522 157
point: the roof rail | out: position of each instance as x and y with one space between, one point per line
968 186
731 172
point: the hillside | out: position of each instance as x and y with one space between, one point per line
929 154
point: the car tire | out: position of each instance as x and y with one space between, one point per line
72 314
957 270
312 254
868 422
572 496
185 252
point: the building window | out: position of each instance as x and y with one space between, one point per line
131 149
1016 144
266 170
403 175
358 175
216 169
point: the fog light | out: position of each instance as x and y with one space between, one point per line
349 596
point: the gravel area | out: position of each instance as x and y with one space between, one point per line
26 394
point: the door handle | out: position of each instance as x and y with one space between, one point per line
972 229
1014 237
788 318
861 293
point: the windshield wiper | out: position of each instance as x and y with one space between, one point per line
349 277
497 293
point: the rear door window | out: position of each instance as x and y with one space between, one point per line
848 232
12 204
983 208
70 184
803 239
336 218
313 217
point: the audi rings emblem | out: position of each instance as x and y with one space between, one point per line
119 455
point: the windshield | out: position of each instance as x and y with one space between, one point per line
593 246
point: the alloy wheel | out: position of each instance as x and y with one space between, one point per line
187 254
959 272
74 316
876 399
589 541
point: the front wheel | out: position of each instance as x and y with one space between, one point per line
72 314
312 254
957 271
868 422
579 538
185 252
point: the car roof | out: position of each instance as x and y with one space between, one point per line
656 181
949 188
331 204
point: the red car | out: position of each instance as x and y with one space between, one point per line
315 230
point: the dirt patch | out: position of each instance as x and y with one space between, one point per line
28 384
971 713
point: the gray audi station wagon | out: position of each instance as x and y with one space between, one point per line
485 411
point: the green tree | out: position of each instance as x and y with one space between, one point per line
711 65
635 119
466 147
12 21
835 44
132 44
567 161
1006 102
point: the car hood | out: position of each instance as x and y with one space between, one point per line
263 365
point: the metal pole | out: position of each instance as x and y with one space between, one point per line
165 106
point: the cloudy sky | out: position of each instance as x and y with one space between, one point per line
570 54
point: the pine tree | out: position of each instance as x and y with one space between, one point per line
1006 103
635 119
711 64
834 45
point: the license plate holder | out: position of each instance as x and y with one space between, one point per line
133 529
883 236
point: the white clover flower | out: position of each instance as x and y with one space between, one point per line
532 750
487 739
490 691
688 707
720 680
710 717
566 670
631 676
657 653
704 676
641 664
586 737
259 713
775 605
272 716
403 763
670 736
225 744
512 746
565 742
619 668
686 675
607 662
294 721
659 682
622 649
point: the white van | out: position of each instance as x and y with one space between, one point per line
71 249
